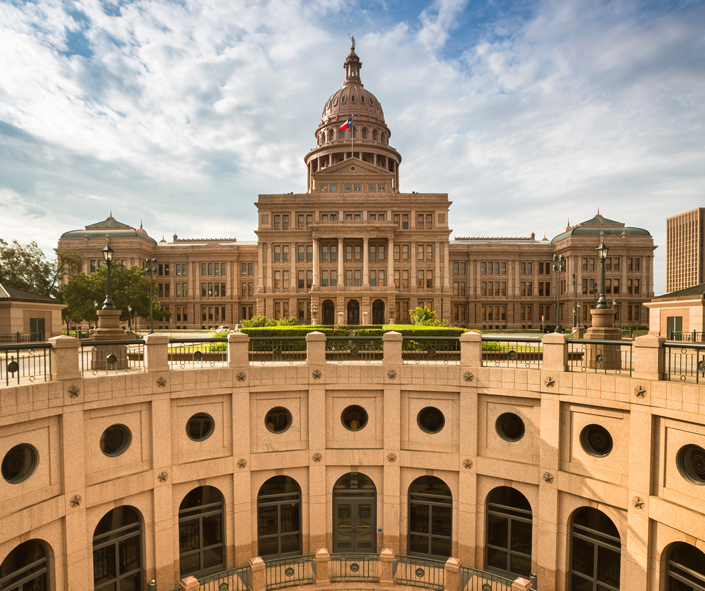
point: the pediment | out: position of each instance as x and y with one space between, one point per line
351 168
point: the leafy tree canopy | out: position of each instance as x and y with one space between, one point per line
26 267
424 317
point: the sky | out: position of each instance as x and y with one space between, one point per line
179 113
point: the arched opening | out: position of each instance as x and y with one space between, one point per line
201 539
378 312
279 518
430 518
117 550
686 568
595 551
374 135
354 514
364 133
509 529
353 312
25 568
328 312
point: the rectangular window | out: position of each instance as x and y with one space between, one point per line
490 288
217 269
277 253
381 277
309 252
373 278
358 217
243 289
216 290
277 280
309 219
348 278
490 269
405 221
358 252
504 288
301 252
397 251
419 279
222 270
483 266
585 286
250 289
277 311
204 290
637 263
429 252
333 252
456 269
496 268
210 268
456 288
420 252
178 290
250 268
429 221
405 279
462 288
382 252
608 264
324 278
483 290
358 278
373 252
204 269
419 221
160 269
397 219
243 270
178 269
591 265
285 252
404 252
397 280
309 279
333 278
324 253
160 290
615 264
636 286
285 279
300 222
504 268
301 280
429 279
277 222
615 286
210 290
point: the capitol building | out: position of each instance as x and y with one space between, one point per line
474 463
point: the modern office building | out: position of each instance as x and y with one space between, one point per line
358 250
684 250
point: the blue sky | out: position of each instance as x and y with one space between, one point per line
526 113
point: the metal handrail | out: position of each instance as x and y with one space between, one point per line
16 346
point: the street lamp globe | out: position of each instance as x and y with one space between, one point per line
602 251
108 254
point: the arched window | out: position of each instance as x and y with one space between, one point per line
25 568
279 518
509 527
332 135
430 518
364 133
354 514
383 138
117 550
595 552
686 568
374 134
201 539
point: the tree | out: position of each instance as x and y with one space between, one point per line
129 288
25 266
424 317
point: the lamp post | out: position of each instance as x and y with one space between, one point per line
574 309
129 317
602 251
108 258
559 267
95 307
151 267
314 313
392 311
614 317
578 304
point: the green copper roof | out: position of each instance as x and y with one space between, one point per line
600 224
109 222
112 228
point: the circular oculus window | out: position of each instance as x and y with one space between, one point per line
19 463
357 187
354 417
596 440
430 420
691 463
115 440
510 427
278 419
200 426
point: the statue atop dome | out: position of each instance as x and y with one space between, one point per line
352 41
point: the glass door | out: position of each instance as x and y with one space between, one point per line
355 526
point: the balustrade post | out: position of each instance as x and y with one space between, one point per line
316 348
258 581
322 568
521 584
386 574
238 349
471 349
64 358
649 357
189 583
392 347
156 352
555 352
451 580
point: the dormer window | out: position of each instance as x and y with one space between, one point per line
372 102
342 100
362 99
352 98
335 101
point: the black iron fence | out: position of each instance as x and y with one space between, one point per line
479 580
110 357
513 352
596 356
685 337
277 350
290 572
21 337
25 361
430 350
685 362
354 349
354 567
235 579
198 353
419 572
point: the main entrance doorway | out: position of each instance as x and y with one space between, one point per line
328 312
378 312
354 514
353 312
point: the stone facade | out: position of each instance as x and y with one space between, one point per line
638 486
354 247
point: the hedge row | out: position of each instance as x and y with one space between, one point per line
345 331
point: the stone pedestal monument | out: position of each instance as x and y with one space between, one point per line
110 355
601 356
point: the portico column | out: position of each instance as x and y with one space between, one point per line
414 255
437 273
315 262
260 267
446 268
390 263
365 261
341 268
269 267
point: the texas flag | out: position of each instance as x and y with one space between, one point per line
347 124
